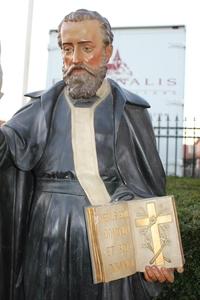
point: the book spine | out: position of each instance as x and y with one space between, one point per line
98 274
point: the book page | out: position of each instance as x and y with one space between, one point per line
114 245
155 232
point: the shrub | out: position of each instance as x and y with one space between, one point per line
187 195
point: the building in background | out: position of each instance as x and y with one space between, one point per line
1 81
1 74
192 159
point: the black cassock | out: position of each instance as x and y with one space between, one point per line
44 251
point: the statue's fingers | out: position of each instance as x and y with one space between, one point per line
168 273
147 278
155 274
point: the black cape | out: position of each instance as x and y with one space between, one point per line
23 141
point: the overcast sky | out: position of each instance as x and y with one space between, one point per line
48 14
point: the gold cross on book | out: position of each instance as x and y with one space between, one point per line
153 221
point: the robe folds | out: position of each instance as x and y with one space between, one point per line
44 251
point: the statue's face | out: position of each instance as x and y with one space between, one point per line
84 57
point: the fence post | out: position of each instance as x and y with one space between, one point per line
184 150
167 146
159 120
176 145
194 152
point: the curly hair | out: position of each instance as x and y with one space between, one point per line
84 14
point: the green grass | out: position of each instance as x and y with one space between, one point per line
187 195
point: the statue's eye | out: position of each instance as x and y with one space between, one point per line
87 49
68 50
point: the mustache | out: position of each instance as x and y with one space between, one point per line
78 67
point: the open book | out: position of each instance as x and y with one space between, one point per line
124 237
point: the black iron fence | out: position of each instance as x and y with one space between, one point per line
178 143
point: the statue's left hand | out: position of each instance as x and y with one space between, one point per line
154 273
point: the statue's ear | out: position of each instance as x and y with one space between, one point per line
109 50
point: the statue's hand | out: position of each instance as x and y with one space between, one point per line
154 273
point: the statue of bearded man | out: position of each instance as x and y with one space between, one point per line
85 141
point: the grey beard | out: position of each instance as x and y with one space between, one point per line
84 86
